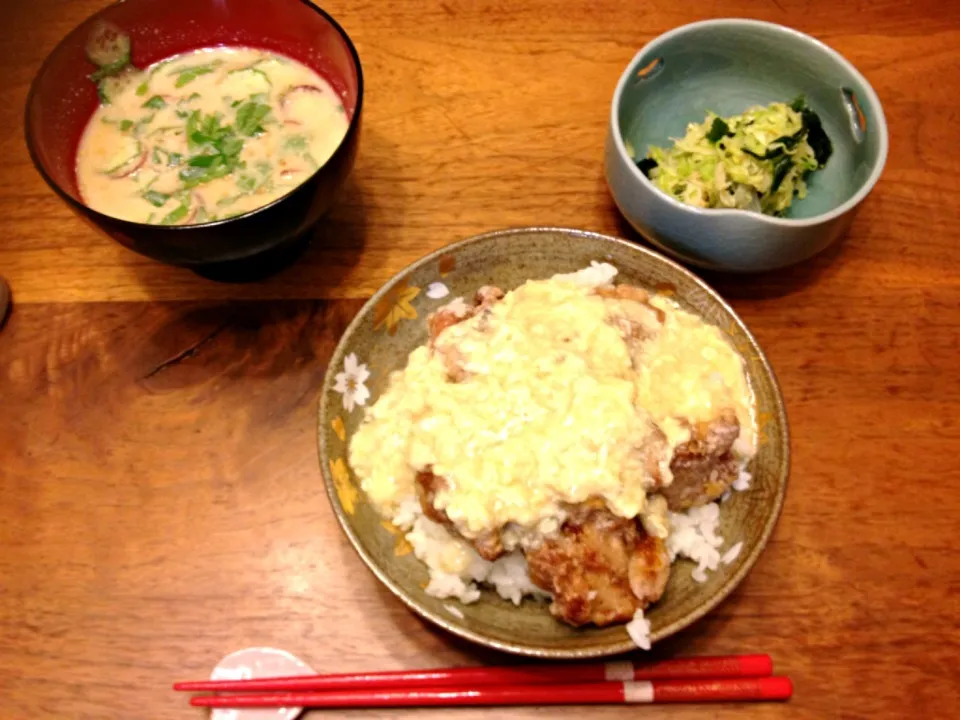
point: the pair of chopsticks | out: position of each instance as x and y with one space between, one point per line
705 679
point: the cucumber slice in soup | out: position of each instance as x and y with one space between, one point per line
128 158
245 82
108 46
109 87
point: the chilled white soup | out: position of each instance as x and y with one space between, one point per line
207 135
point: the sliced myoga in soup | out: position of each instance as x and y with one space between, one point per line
542 439
206 135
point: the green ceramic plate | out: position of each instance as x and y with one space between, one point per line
391 325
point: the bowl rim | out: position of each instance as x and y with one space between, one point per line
714 213
730 583
83 207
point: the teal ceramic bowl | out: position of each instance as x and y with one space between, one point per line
726 66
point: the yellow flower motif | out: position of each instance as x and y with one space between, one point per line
395 306
346 492
338 428
763 421
402 547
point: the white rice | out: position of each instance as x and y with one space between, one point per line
639 630
743 481
695 534
407 513
732 554
456 569
597 275
454 610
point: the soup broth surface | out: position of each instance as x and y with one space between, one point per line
207 135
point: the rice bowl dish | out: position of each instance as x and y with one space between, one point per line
565 443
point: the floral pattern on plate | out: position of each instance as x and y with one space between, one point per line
437 291
351 383
338 428
346 490
395 306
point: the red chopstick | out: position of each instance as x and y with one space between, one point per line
600 693
731 666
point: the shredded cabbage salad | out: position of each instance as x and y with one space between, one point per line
758 160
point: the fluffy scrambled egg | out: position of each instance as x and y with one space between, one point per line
689 371
551 411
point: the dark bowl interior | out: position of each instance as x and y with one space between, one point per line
62 100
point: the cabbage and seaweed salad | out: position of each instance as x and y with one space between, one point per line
758 160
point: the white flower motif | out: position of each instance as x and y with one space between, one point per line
350 383
437 290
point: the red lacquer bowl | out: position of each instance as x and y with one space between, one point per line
62 99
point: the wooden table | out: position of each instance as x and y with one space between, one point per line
161 502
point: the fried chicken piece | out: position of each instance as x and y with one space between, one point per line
489 545
453 361
623 292
649 569
453 313
704 467
428 485
644 456
457 311
632 314
600 568
487 295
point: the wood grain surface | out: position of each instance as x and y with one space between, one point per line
161 503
